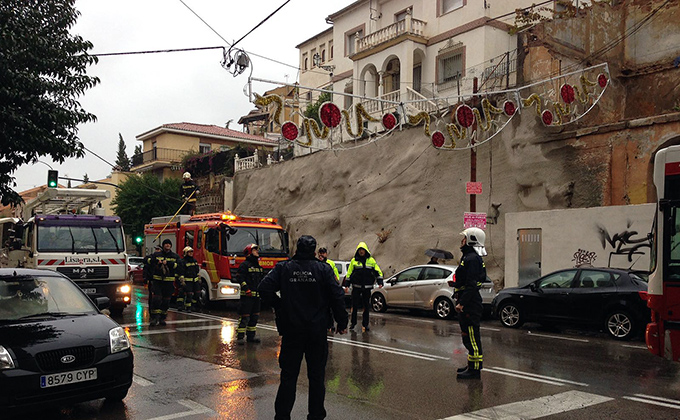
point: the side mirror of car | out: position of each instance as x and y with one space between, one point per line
102 302
392 281
532 286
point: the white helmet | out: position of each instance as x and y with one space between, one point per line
187 249
186 175
475 237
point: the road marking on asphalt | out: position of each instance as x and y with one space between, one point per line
489 329
393 350
195 408
141 381
581 340
536 408
532 376
650 399
428 321
634 347
179 321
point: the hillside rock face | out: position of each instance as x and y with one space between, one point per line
399 194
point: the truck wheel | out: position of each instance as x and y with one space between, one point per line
204 294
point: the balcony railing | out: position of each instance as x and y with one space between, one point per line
408 25
158 154
379 104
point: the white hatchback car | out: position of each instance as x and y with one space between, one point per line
428 287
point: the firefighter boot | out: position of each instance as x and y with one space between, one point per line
462 369
162 320
240 339
471 372
154 320
252 339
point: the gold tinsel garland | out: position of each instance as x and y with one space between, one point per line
421 116
266 100
359 113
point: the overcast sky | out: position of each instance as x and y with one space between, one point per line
140 92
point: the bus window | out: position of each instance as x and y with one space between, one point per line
674 245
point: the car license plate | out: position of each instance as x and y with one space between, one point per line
65 378
90 291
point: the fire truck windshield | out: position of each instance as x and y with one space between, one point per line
80 239
270 241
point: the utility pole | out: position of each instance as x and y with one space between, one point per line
473 158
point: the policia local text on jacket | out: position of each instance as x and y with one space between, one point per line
470 275
308 287
362 273
164 266
249 276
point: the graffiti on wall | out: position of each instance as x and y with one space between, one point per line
584 257
627 248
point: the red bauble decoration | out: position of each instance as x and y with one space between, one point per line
547 117
602 80
438 139
290 131
568 94
509 108
330 115
389 121
464 116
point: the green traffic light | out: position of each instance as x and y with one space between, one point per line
139 239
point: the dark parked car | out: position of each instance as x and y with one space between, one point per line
615 300
55 346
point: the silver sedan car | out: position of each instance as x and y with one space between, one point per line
428 287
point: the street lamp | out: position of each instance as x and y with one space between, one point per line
316 59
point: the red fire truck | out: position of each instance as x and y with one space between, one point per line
218 240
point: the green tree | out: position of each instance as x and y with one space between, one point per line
312 110
43 72
122 160
141 197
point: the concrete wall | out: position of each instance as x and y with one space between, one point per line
613 236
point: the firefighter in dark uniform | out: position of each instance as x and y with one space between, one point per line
249 276
164 266
147 273
189 191
470 275
308 288
362 273
188 279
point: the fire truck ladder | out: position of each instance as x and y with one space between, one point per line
64 200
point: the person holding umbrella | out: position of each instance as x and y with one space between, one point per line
438 254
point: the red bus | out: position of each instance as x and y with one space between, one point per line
663 332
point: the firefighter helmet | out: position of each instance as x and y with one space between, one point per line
249 249
475 237
186 175
187 249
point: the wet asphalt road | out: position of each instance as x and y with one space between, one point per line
404 368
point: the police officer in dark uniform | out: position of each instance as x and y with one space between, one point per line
249 275
188 279
470 275
164 266
189 191
308 287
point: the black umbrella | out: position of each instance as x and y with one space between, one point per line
439 253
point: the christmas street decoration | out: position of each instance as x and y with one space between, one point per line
459 123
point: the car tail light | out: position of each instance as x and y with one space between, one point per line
643 295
